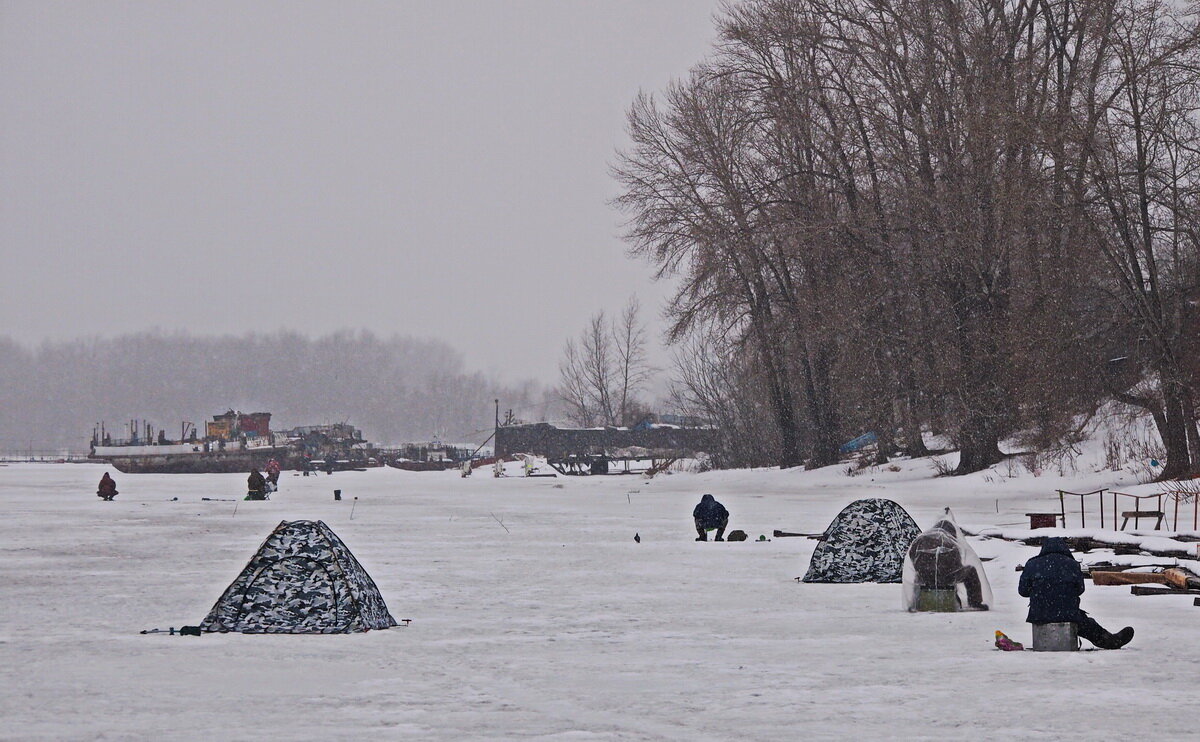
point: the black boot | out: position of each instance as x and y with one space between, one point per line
1114 641
1121 638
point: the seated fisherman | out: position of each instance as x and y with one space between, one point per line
256 486
710 514
941 559
1053 583
108 487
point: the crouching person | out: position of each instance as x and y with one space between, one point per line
710 514
1053 582
256 486
943 573
107 489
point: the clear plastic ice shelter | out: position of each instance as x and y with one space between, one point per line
943 573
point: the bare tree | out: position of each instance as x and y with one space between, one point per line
895 207
574 389
716 382
633 370
1145 192
603 372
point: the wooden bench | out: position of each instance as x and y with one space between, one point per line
1158 512
1138 514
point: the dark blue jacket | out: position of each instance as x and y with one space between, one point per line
1053 583
710 513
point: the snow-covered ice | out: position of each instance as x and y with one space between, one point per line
535 615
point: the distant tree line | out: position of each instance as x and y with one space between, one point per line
395 390
977 217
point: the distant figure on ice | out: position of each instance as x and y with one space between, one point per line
943 573
256 486
329 466
108 488
273 472
466 468
710 514
1053 583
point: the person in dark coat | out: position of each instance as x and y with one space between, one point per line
108 488
1053 582
710 514
256 486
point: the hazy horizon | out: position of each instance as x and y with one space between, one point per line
395 389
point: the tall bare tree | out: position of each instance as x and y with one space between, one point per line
602 373
918 213
1145 186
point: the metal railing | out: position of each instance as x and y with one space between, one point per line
1176 495
1062 506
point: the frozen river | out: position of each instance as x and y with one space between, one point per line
535 615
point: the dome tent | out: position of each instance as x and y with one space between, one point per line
866 542
302 580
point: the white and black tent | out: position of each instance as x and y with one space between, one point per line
302 580
866 542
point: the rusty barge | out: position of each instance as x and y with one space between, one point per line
232 442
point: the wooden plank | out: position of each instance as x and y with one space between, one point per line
1178 578
1129 578
1086 544
1139 590
1109 567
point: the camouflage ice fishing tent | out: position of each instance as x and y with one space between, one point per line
303 580
866 542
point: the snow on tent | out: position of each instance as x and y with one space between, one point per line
866 542
302 580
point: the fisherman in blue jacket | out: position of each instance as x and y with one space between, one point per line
710 514
1053 583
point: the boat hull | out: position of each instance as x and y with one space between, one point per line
202 463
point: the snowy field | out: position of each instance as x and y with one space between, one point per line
535 615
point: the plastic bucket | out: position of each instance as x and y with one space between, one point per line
937 600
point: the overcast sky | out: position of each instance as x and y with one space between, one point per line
430 168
